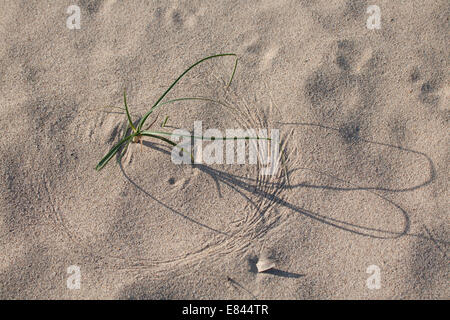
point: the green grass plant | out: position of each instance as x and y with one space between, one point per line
138 132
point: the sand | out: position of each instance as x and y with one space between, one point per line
363 114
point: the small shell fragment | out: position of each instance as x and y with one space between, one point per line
265 263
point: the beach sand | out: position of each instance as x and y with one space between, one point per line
363 115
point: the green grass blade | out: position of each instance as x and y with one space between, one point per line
126 109
190 99
199 137
164 122
123 151
112 152
234 71
149 134
144 118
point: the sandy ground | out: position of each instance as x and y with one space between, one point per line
363 114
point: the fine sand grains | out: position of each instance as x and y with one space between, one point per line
363 117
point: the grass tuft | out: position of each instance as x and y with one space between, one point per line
137 132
